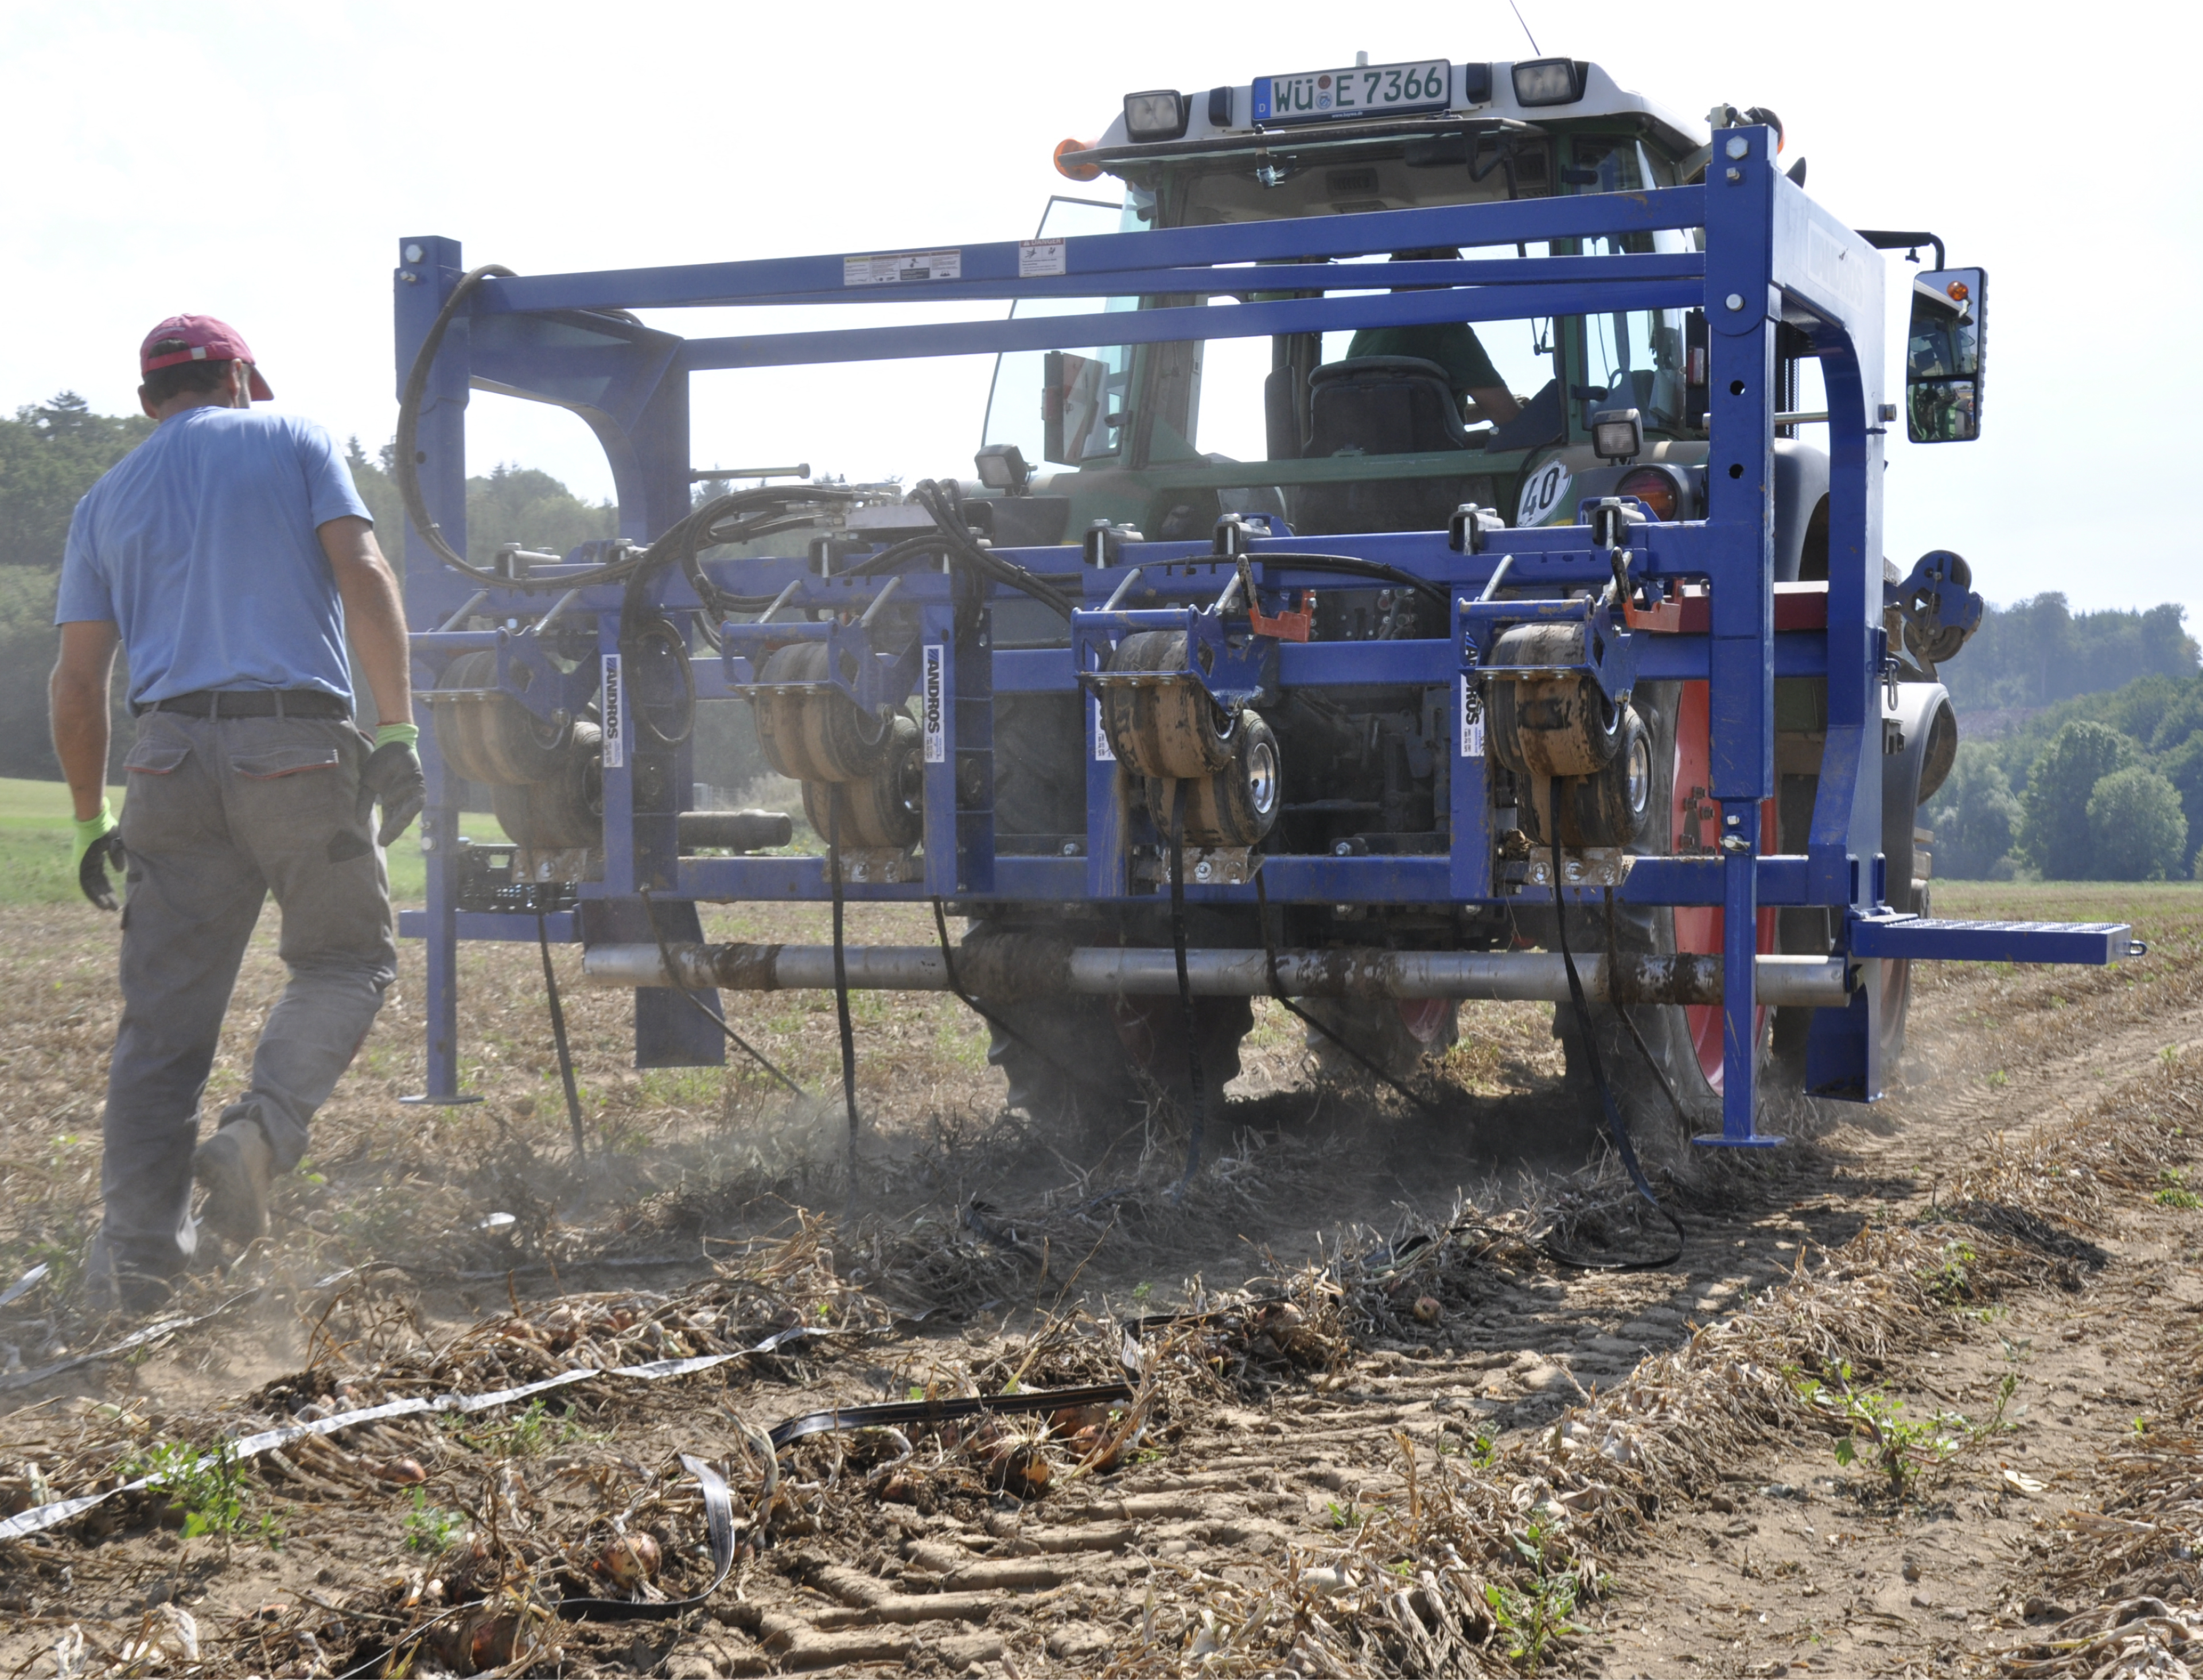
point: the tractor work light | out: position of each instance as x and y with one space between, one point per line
1617 434
1660 489
1548 81
1157 115
1002 467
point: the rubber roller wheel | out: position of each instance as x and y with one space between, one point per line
1564 726
1614 806
496 742
1165 729
1561 724
888 807
564 811
822 736
1238 805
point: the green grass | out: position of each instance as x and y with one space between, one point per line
35 842
35 845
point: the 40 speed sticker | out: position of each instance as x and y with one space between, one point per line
1545 490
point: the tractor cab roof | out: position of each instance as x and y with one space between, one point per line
1486 117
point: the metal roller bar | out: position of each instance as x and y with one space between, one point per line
1022 967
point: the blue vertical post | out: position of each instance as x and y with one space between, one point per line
1108 838
428 268
940 679
971 761
1468 796
1742 310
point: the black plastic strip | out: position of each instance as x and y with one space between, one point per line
673 979
1194 1072
558 1035
1613 1122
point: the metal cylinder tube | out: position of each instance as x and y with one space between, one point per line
1512 976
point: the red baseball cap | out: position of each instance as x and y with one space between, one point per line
204 340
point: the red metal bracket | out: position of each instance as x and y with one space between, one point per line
1288 625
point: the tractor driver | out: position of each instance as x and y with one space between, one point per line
1453 344
229 556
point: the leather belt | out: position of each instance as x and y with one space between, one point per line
253 703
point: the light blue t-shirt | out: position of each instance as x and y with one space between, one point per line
200 546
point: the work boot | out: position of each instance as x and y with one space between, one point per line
235 1165
114 1286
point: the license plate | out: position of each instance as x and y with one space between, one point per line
1370 89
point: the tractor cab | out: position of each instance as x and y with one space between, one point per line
1387 429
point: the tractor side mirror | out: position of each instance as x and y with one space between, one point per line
1945 351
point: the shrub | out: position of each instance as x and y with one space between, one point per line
2136 832
2054 831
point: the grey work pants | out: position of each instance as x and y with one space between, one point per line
219 813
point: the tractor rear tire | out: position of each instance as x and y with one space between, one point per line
1659 1134
1088 1068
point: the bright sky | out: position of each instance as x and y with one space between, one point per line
262 162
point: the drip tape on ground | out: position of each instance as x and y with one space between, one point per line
40 1518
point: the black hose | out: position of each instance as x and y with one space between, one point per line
956 986
1197 1122
1351 566
1278 992
1614 1121
673 979
842 977
559 1037
680 542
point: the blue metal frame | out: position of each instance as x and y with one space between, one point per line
1769 256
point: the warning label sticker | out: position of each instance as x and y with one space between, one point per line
1037 258
1102 752
900 268
1471 720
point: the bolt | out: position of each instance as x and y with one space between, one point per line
1734 300
414 253
1200 870
1343 849
1071 848
427 843
1574 870
1740 147
1736 821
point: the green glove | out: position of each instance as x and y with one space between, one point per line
98 848
392 777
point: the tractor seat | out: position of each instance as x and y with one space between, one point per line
1380 405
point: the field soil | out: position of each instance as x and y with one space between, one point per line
1918 1396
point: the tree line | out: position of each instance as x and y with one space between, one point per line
2101 787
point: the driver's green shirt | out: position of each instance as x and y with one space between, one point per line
1451 344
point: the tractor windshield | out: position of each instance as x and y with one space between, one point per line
1454 406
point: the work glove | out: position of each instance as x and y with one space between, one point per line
392 778
98 848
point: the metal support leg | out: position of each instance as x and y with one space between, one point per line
1740 950
439 832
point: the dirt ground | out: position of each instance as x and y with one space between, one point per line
1919 1396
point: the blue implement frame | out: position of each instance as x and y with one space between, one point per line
1769 256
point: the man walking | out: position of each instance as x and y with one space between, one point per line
229 556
